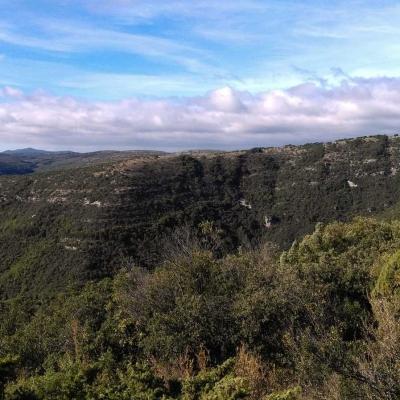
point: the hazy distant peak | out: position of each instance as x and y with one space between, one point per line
29 151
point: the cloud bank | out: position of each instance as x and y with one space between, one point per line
224 118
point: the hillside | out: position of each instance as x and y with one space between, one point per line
69 225
319 321
27 161
204 276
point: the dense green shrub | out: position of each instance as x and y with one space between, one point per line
317 321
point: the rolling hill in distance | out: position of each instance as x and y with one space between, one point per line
29 160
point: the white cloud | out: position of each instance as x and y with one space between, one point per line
8 91
224 118
225 100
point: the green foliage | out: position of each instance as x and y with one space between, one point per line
174 332
388 282
72 380
289 394
215 384
336 264
97 303
71 323
106 208
181 306
8 368
218 304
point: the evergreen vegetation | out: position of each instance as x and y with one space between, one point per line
320 320
154 280
68 226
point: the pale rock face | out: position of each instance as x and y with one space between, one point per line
352 184
244 203
56 199
71 248
96 203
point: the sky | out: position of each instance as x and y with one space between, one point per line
176 75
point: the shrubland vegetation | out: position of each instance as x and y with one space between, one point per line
205 277
318 321
73 225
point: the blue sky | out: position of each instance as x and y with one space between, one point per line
98 55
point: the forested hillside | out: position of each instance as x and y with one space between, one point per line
191 276
71 225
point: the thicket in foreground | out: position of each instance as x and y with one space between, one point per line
320 321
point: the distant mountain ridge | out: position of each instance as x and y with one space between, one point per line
29 160
30 152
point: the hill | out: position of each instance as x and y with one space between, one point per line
83 219
27 161
31 152
320 320
203 275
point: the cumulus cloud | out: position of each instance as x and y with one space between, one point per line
224 118
225 100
